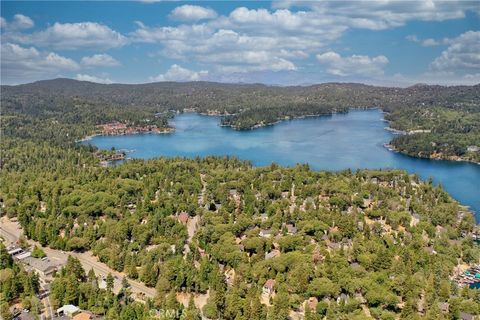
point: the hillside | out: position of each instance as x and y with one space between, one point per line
443 122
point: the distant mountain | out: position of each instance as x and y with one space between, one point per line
232 98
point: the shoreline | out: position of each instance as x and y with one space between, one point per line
87 138
90 137
288 118
392 148
387 145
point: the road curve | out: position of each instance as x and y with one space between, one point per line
11 232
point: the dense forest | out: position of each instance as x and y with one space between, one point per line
447 116
380 241
441 133
15 284
268 242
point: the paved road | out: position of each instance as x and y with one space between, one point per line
11 232
48 306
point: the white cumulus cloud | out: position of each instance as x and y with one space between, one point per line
428 42
72 36
177 73
22 22
377 15
352 65
89 78
28 64
192 13
462 55
100 60
19 22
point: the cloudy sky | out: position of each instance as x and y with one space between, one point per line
281 42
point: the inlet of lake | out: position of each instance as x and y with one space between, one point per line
352 140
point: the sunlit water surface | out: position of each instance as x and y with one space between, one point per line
352 140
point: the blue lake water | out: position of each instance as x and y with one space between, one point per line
352 140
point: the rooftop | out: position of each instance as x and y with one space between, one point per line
270 283
39 264
68 308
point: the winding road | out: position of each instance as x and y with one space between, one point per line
11 232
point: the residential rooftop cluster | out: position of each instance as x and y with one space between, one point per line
121 128
43 266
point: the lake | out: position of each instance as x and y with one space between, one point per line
340 141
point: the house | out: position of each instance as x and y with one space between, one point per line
473 148
334 245
131 207
183 218
102 284
291 229
415 220
45 268
342 297
23 255
347 243
269 287
23 315
263 217
83 316
230 277
202 252
14 251
68 310
466 316
272 254
266 233
311 303
443 306
239 240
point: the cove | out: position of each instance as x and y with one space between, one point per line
352 140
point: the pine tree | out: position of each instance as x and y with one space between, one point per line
110 282
191 313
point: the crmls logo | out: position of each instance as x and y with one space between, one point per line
166 313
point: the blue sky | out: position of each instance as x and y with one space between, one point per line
282 42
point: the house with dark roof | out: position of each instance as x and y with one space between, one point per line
45 268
